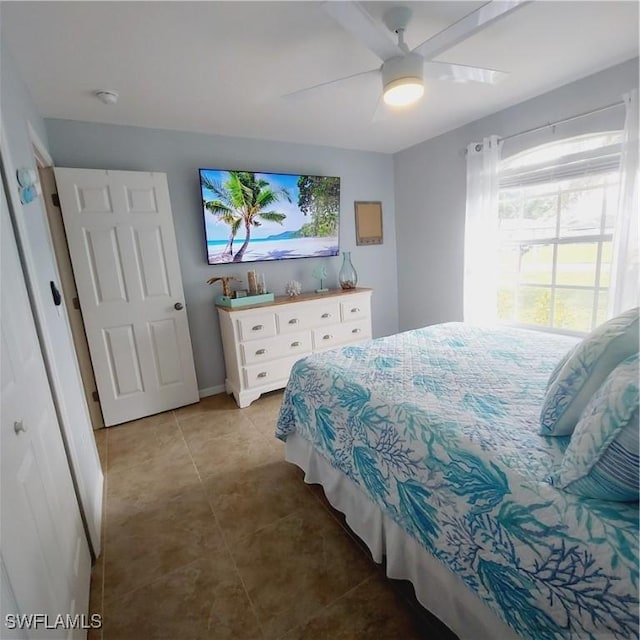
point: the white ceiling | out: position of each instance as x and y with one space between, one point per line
223 67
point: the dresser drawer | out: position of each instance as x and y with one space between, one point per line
258 375
355 309
329 337
257 326
357 331
314 315
278 347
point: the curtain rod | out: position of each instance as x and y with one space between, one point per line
553 124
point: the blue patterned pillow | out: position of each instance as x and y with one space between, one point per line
585 370
601 460
558 368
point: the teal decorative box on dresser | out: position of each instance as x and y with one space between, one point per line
247 301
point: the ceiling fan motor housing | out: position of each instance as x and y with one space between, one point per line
400 68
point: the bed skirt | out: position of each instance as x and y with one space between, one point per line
438 590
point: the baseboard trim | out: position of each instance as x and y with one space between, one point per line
211 391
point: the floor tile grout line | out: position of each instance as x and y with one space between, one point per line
150 583
221 530
331 602
246 416
270 524
152 427
239 575
277 520
263 436
229 436
317 613
186 444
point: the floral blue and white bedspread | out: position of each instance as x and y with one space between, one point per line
439 427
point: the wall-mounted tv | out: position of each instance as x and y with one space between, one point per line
251 216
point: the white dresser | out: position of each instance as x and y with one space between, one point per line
261 343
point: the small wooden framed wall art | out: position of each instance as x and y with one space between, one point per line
368 222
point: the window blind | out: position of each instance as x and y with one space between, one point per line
592 162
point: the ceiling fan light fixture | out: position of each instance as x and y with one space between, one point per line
402 80
403 92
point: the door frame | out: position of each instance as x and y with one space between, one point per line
68 285
91 514
42 156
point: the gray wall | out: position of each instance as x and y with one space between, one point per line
430 184
17 110
18 114
364 176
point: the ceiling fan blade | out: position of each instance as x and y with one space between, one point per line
381 112
300 92
461 73
465 27
353 17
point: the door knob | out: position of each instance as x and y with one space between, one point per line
18 427
55 294
178 306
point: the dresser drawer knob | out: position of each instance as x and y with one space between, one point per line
327 337
356 330
261 352
262 374
293 321
355 310
326 315
258 327
295 344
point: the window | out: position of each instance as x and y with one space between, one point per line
557 206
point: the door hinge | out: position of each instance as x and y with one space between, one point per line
76 303
95 396
55 200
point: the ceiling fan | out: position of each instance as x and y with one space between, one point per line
403 70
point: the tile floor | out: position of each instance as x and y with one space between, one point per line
209 534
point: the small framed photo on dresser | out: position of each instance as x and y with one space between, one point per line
368 222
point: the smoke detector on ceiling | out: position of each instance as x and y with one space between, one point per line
107 96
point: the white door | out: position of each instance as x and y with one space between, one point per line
125 261
52 324
45 561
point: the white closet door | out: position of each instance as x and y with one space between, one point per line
45 560
123 250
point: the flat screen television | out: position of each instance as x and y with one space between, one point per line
251 216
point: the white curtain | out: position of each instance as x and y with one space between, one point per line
481 232
624 292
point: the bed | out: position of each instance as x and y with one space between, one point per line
428 441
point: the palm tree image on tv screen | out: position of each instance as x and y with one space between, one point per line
269 216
